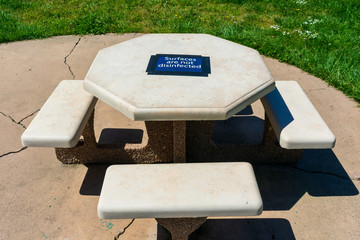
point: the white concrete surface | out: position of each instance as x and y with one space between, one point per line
63 117
296 122
179 190
238 77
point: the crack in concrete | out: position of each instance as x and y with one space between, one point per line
123 231
22 125
19 122
17 151
322 172
31 114
13 120
65 59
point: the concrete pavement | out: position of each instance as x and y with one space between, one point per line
44 199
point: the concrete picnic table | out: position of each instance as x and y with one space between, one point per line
178 84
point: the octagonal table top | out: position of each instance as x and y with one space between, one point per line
120 77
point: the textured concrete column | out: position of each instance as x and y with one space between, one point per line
181 228
198 139
160 142
179 138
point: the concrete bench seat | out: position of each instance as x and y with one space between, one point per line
179 190
179 195
63 117
295 121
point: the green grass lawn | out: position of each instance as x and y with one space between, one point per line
321 37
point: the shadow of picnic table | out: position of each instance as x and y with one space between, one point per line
229 229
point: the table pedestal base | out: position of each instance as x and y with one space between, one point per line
181 228
177 141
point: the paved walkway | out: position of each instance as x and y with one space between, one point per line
44 199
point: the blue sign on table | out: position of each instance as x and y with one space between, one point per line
183 65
